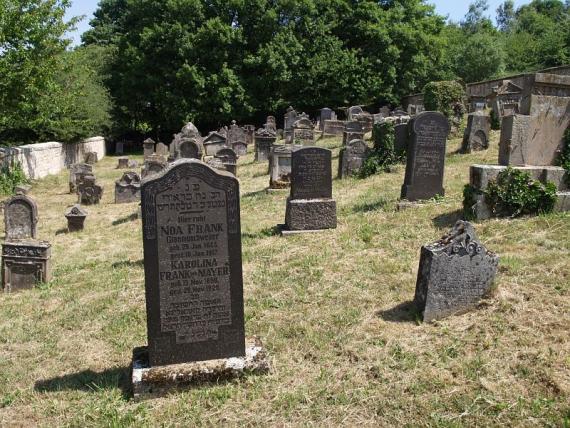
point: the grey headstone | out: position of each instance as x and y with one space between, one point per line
303 132
123 163
75 216
214 142
426 157
352 112
153 165
128 188
280 166
454 274
352 158
91 158
20 218
148 147
264 140
89 192
193 266
476 135
228 159
119 148
76 173
326 114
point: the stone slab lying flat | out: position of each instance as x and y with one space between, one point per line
152 382
481 175
286 232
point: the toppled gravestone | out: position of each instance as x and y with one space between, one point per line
454 274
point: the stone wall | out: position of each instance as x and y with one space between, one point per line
40 160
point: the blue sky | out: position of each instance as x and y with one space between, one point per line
454 9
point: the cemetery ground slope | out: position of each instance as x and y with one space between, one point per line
333 309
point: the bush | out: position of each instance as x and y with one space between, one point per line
384 154
10 177
515 193
446 97
495 121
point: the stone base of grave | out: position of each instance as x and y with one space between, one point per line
310 214
284 231
280 190
481 175
152 382
25 263
404 205
417 192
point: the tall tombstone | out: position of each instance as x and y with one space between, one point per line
426 157
148 147
76 174
193 265
290 118
455 273
325 114
264 140
20 218
310 206
128 188
476 136
304 133
352 158
25 260
249 134
236 134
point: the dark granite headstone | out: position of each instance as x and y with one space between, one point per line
20 218
454 274
476 135
119 148
401 138
426 157
193 267
352 157
128 188
310 206
75 216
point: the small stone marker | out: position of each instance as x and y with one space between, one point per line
123 163
153 165
476 135
280 166
162 149
264 140
303 132
20 218
89 192
352 158
148 147
213 143
426 157
454 274
25 260
91 158
128 188
76 173
401 138
229 160
310 206
193 281
75 216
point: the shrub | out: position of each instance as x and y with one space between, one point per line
384 154
495 121
446 97
515 193
10 177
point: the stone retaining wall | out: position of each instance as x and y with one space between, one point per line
40 160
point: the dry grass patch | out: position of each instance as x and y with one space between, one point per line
333 309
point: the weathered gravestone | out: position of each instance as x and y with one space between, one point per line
310 206
128 188
228 159
193 280
249 134
352 158
326 114
264 140
214 142
89 192
455 273
189 149
76 174
236 134
25 260
476 135
91 158
333 127
148 147
20 218
401 138
239 148
303 132
75 216
352 131
352 112
426 157
271 124
280 166
153 165
162 149
123 163
290 118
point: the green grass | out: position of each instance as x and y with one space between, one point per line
333 309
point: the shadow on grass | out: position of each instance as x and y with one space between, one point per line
263 233
371 206
126 219
254 194
61 231
402 313
260 174
445 221
89 381
127 263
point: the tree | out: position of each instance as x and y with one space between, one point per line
482 58
506 15
475 19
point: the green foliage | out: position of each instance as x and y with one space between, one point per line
495 121
515 193
384 154
481 58
564 159
443 97
10 177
